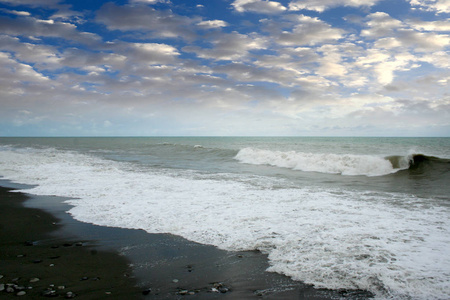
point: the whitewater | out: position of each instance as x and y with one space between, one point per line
341 213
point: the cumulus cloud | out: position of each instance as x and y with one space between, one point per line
229 46
212 24
30 26
17 72
430 25
159 23
42 56
258 6
309 31
322 5
152 53
438 6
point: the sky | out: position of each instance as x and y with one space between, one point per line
225 68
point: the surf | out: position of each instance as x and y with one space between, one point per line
343 164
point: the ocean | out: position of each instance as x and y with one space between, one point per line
338 213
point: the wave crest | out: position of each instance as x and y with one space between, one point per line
344 164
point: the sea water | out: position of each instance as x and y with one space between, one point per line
338 213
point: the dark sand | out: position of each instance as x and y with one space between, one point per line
84 259
28 250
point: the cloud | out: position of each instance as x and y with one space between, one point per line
381 25
149 1
309 31
42 56
258 6
322 5
33 3
212 24
152 53
438 6
18 73
16 12
229 46
163 24
430 25
30 26
192 73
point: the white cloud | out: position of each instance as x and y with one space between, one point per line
152 53
229 46
19 72
17 12
438 6
430 25
212 24
147 1
322 5
380 24
309 31
258 6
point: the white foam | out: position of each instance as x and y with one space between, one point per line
345 164
329 238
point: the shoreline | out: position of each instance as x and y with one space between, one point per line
96 262
36 263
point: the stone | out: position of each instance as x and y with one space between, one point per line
2 287
183 292
10 289
35 279
61 287
50 293
146 292
70 295
175 280
21 293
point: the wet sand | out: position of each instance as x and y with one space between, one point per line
37 262
38 239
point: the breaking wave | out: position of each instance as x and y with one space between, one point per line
344 164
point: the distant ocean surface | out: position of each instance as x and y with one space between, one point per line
338 213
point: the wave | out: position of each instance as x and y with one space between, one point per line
332 239
344 164
419 163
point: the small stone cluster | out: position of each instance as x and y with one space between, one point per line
13 287
216 287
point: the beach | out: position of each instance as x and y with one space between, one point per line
39 263
46 256
227 218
